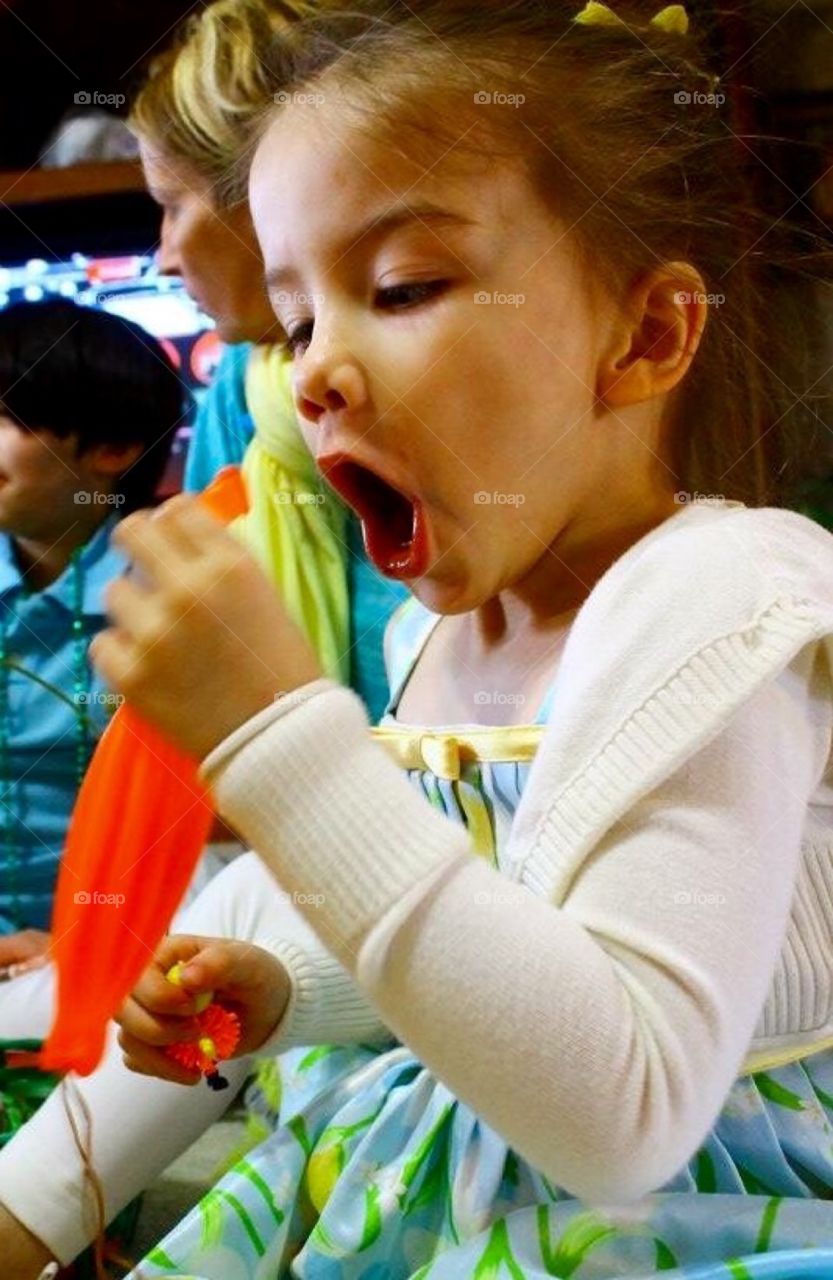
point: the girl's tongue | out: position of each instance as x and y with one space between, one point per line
393 525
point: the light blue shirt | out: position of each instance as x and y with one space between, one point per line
223 426
39 792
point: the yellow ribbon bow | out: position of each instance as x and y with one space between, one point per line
443 753
673 19
437 752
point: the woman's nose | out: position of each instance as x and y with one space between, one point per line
167 258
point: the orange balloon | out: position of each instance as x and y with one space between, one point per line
139 825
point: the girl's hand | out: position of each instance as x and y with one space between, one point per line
243 977
200 641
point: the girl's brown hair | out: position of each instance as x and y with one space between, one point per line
627 134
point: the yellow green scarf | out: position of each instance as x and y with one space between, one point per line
295 526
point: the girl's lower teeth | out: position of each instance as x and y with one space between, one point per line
402 558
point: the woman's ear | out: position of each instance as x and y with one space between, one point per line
656 333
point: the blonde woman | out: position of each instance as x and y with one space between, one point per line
188 118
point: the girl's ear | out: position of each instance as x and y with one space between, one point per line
655 336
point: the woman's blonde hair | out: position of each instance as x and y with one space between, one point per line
205 88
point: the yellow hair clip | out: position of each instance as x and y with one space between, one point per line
595 14
673 19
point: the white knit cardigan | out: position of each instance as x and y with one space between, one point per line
664 907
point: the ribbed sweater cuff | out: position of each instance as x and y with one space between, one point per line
336 820
324 1004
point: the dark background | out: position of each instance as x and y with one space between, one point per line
780 53
776 57
51 49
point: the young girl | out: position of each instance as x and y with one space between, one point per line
596 913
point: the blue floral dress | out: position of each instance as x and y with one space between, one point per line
374 1171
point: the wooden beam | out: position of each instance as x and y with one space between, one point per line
36 186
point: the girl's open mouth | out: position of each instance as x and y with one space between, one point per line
393 525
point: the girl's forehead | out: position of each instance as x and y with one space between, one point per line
315 174
313 147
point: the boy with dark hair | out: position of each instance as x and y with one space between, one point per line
89 404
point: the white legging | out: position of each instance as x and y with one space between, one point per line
139 1124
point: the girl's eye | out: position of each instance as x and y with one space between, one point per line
299 339
395 297
398 296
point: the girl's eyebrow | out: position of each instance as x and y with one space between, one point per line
374 229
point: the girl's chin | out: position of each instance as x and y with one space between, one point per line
455 580
450 596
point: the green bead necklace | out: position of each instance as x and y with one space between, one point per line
79 702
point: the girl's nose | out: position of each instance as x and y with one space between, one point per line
328 385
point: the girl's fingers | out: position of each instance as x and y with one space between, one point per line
178 530
131 607
155 1029
154 547
229 966
146 1061
115 657
159 996
154 992
187 521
